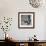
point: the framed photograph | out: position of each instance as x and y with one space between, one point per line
26 20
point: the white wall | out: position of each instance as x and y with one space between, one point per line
11 8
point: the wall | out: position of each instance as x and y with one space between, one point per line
10 8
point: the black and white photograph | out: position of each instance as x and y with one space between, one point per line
26 19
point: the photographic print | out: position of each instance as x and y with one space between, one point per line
26 19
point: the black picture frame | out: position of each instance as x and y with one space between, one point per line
26 20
